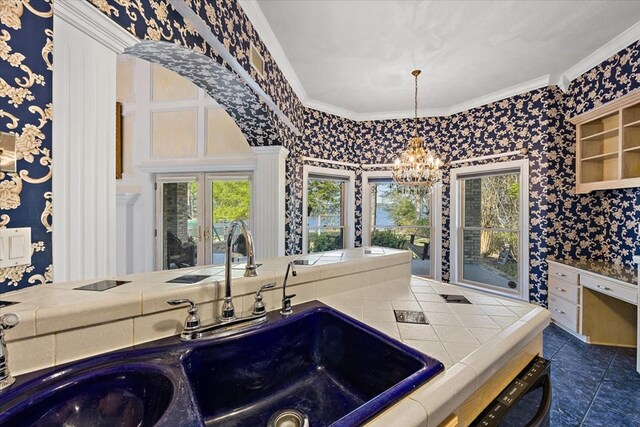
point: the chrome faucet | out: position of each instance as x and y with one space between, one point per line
7 321
228 312
286 299
194 330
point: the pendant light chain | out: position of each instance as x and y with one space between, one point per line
415 106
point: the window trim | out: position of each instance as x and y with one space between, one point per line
522 166
435 220
349 226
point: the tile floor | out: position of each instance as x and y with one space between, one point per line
592 385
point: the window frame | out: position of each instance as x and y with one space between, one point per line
457 205
349 205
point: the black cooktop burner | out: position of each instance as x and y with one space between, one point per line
455 299
406 316
189 278
6 303
102 285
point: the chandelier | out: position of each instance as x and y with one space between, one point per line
415 167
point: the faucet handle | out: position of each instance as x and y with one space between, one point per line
192 322
8 321
258 305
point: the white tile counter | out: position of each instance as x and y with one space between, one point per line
473 341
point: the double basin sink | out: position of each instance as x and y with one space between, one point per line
317 367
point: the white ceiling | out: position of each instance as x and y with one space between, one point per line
354 58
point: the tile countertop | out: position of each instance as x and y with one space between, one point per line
473 341
59 306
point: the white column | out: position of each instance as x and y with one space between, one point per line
124 229
269 198
84 96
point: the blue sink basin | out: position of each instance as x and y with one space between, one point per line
318 362
128 395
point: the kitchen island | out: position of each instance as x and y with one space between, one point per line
483 343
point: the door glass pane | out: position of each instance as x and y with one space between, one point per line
490 235
325 214
179 224
230 200
401 220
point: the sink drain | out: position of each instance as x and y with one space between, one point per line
288 418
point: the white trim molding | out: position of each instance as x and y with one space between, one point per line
522 166
270 201
349 227
84 93
205 32
124 228
261 25
621 41
562 80
86 18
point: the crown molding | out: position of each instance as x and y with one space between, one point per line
205 32
562 80
518 89
621 41
263 28
254 12
89 20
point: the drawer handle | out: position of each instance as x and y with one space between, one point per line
560 311
603 287
560 289
561 274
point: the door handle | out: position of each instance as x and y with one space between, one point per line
561 274
603 287
560 311
560 289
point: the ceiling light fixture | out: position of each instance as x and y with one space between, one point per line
416 168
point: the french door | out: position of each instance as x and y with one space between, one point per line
402 220
192 215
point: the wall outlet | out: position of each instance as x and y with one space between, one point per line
15 247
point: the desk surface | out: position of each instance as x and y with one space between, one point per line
622 273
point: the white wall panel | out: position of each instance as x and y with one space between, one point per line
84 96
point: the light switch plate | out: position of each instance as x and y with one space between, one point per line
15 246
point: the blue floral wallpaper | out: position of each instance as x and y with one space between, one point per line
562 224
26 36
497 127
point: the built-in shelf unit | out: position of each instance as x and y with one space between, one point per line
608 145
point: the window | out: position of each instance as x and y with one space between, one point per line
489 227
401 220
328 210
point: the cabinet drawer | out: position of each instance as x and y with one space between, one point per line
563 272
564 289
610 288
564 312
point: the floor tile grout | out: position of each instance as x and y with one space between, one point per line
593 399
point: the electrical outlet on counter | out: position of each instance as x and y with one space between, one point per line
15 246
